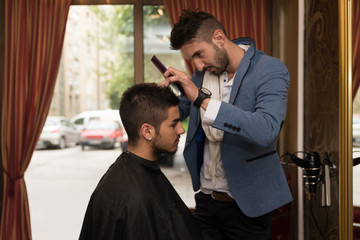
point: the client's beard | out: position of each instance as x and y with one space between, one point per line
159 150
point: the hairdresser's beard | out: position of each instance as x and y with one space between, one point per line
221 61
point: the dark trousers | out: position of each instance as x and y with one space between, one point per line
224 220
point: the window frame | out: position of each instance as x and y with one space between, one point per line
138 29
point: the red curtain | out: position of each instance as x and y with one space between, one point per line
240 18
34 33
356 45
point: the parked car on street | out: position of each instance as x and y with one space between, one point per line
82 119
103 133
58 132
124 141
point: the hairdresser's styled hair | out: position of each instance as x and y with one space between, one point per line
145 103
194 25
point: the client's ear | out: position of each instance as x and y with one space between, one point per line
147 131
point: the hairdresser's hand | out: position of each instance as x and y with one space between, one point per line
173 75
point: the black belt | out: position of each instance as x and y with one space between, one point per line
221 197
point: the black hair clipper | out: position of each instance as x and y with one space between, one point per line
176 88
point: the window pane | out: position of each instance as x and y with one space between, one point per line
97 59
157 42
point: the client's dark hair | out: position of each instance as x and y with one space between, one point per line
191 25
145 103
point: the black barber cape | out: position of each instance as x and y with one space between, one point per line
134 200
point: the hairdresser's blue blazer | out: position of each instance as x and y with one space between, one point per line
251 122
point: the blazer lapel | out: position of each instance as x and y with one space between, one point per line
242 69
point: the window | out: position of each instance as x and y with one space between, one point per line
79 121
110 51
157 42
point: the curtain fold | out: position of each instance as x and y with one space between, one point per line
240 18
356 46
34 34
